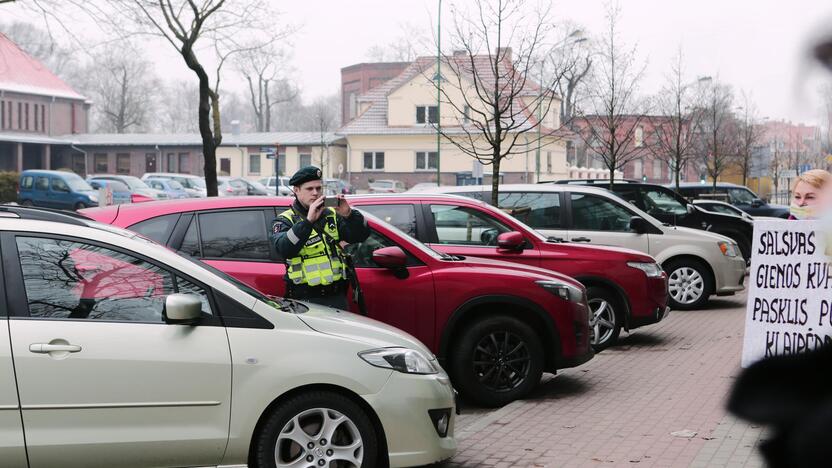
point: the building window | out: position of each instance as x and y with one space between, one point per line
637 169
172 162
20 116
26 114
122 163
36 117
254 164
353 103
549 162
304 160
100 163
639 137
426 160
225 166
2 115
374 161
657 169
429 112
184 163
43 118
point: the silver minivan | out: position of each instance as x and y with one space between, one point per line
698 263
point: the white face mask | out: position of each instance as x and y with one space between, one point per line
802 212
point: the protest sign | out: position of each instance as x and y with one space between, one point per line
789 307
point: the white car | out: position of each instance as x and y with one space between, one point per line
698 263
115 351
277 185
135 185
194 185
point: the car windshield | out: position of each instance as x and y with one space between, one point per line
197 183
257 185
382 184
134 182
741 196
175 185
77 184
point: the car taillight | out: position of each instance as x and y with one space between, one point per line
138 198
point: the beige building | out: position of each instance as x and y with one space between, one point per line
393 135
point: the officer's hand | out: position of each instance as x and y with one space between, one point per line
343 209
315 210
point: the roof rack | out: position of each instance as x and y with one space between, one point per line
591 181
45 214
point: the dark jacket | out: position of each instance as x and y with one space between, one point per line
289 239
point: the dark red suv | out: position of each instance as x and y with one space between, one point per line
495 325
625 288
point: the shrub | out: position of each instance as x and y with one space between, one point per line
8 186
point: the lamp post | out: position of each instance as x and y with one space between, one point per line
438 93
578 36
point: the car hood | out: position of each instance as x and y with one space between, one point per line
359 328
477 262
727 219
700 233
611 253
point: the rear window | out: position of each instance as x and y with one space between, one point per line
27 182
158 229
234 234
540 210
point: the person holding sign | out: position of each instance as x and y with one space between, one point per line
806 194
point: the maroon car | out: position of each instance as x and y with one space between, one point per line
625 288
495 325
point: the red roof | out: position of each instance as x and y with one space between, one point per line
22 73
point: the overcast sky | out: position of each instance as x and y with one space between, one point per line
758 46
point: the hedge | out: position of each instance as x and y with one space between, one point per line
8 186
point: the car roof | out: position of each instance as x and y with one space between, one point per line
48 172
699 184
169 174
531 188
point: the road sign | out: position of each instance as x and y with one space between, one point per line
788 174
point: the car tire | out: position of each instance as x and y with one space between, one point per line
689 284
496 360
285 434
607 317
27 203
80 206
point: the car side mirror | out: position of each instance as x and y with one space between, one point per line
757 203
511 241
182 309
390 257
639 225
691 208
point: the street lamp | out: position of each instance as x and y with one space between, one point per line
577 37
438 93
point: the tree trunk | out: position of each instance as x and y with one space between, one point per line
612 176
209 143
495 179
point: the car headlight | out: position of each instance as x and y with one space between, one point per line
404 360
564 291
93 197
652 270
728 249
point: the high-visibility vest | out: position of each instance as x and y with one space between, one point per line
318 262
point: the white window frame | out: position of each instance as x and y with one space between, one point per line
427 160
427 115
375 167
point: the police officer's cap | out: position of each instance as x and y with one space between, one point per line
305 174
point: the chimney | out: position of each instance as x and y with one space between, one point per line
235 127
504 53
460 53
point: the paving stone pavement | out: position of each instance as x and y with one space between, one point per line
620 408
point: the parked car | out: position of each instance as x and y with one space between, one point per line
386 186
135 184
231 187
737 195
173 189
337 186
422 187
716 206
277 185
106 329
254 188
669 207
121 193
55 189
194 185
618 295
467 310
698 263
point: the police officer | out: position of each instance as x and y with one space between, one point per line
308 236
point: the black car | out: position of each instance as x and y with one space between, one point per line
737 195
669 207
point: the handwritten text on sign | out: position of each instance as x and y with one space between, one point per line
790 297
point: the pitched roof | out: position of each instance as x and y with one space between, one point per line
373 121
194 139
21 73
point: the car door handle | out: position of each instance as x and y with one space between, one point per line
581 239
45 348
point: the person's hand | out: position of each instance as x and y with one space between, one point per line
343 209
315 210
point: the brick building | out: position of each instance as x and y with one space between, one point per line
362 77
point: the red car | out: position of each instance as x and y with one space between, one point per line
625 288
495 325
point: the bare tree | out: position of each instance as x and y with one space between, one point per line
750 136
491 94
610 130
177 110
325 114
826 101
673 139
263 69
777 165
39 44
574 62
718 132
404 48
123 87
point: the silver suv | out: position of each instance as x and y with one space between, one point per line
698 263
115 351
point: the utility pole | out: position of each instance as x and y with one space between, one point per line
438 94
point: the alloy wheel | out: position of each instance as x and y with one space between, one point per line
319 437
501 361
602 321
686 285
